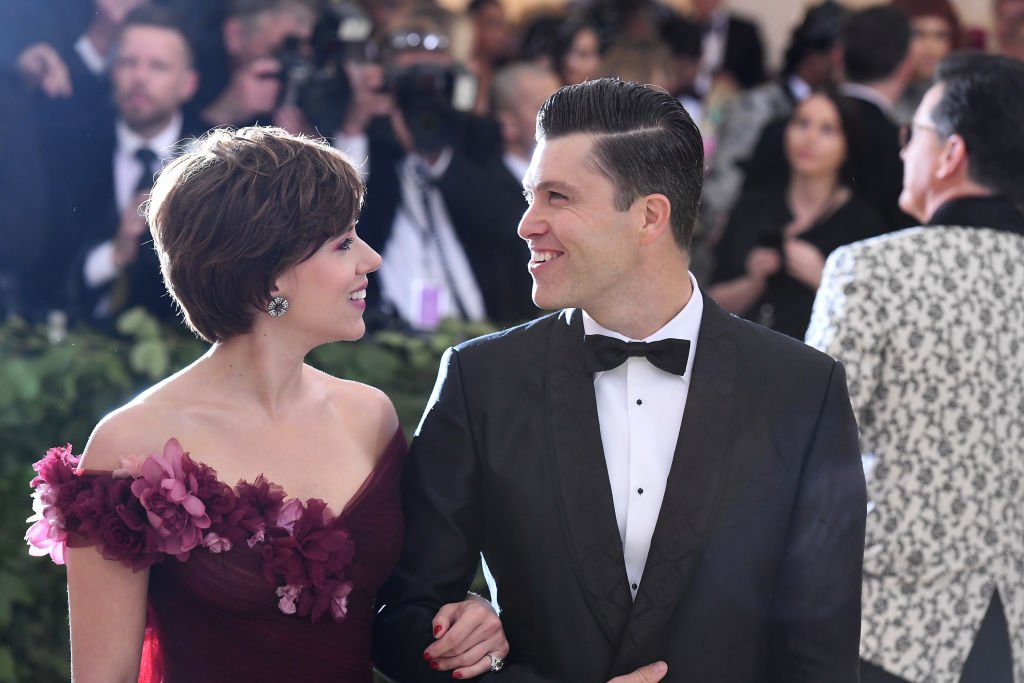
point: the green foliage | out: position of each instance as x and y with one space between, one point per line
53 392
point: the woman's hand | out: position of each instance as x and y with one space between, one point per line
763 262
804 262
465 634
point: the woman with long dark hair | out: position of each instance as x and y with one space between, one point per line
772 252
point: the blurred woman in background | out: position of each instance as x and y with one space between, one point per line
773 250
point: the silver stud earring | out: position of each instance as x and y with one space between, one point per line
277 306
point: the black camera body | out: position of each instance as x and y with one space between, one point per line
429 95
323 93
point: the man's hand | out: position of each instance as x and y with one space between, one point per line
366 81
252 90
291 118
41 66
652 673
465 633
129 232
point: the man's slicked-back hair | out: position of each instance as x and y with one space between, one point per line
645 143
875 42
239 209
983 102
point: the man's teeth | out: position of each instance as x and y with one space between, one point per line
542 256
356 296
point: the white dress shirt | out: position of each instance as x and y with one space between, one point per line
99 263
417 262
640 409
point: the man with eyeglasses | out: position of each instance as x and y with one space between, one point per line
928 322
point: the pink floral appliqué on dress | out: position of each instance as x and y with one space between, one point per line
169 505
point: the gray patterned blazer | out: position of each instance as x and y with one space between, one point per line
929 323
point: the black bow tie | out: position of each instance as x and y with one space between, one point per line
605 353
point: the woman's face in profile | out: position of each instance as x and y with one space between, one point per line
815 142
931 40
583 60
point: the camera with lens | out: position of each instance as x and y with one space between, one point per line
318 85
429 95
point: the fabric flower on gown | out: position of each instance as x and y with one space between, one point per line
309 551
257 502
167 504
55 488
167 490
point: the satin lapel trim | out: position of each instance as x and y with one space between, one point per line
587 508
693 483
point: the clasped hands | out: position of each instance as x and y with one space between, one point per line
799 258
466 632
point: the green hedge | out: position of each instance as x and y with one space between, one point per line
52 391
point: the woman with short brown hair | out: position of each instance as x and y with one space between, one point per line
176 572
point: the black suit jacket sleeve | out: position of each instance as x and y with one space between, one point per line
816 601
444 526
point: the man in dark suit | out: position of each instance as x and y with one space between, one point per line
876 45
690 502
732 47
109 168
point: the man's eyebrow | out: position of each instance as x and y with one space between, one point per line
552 186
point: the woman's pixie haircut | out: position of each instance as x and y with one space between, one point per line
238 209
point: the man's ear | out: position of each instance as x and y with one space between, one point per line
656 212
954 160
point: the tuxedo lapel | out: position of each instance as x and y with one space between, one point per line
587 508
693 483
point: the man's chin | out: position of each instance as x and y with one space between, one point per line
145 120
546 301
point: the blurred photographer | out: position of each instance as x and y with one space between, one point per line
440 205
255 33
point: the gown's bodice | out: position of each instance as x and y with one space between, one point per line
276 589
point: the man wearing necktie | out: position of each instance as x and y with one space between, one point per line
660 491
114 166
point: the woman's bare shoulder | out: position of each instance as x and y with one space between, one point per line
140 427
366 408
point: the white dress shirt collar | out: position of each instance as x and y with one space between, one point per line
868 94
685 325
163 143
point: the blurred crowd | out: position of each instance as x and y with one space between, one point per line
437 109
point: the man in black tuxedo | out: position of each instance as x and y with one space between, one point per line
108 170
701 508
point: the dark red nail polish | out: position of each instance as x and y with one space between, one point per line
434 665
437 629
426 656
456 674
